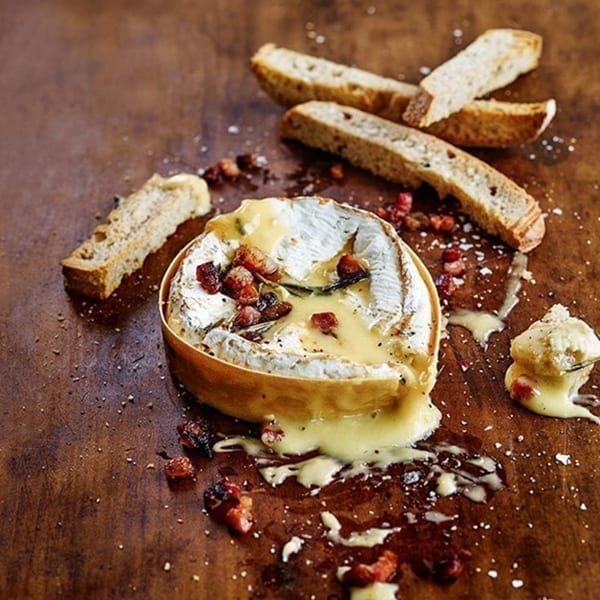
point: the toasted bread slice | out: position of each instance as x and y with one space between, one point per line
292 78
493 60
406 155
136 228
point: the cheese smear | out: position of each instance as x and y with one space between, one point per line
553 358
482 324
347 394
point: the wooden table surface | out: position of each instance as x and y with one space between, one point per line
97 96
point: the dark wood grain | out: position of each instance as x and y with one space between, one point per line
95 97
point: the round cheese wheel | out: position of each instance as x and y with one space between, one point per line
362 333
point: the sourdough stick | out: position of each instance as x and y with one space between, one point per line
291 78
406 155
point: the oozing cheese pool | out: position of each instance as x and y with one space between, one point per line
370 377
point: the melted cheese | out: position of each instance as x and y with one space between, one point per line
262 224
374 591
552 396
321 470
352 339
292 546
312 472
482 324
379 437
373 536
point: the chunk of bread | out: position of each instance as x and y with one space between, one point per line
493 60
292 78
557 344
135 229
405 155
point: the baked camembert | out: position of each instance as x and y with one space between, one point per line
311 317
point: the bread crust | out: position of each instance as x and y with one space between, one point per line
291 78
406 155
494 59
139 226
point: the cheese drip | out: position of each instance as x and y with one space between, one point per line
380 436
482 324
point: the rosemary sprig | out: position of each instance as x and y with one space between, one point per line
582 365
321 290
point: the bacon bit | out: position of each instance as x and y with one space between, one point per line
362 575
336 171
246 295
225 503
522 389
416 221
382 212
256 261
443 223
208 276
195 435
451 254
179 468
446 286
325 322
238 278
240 518
212 174
271 434
449 569
246 317
229 168
276 311
396 216
404 202
248 162
220 497
397 213
456 268
348 266
386 566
